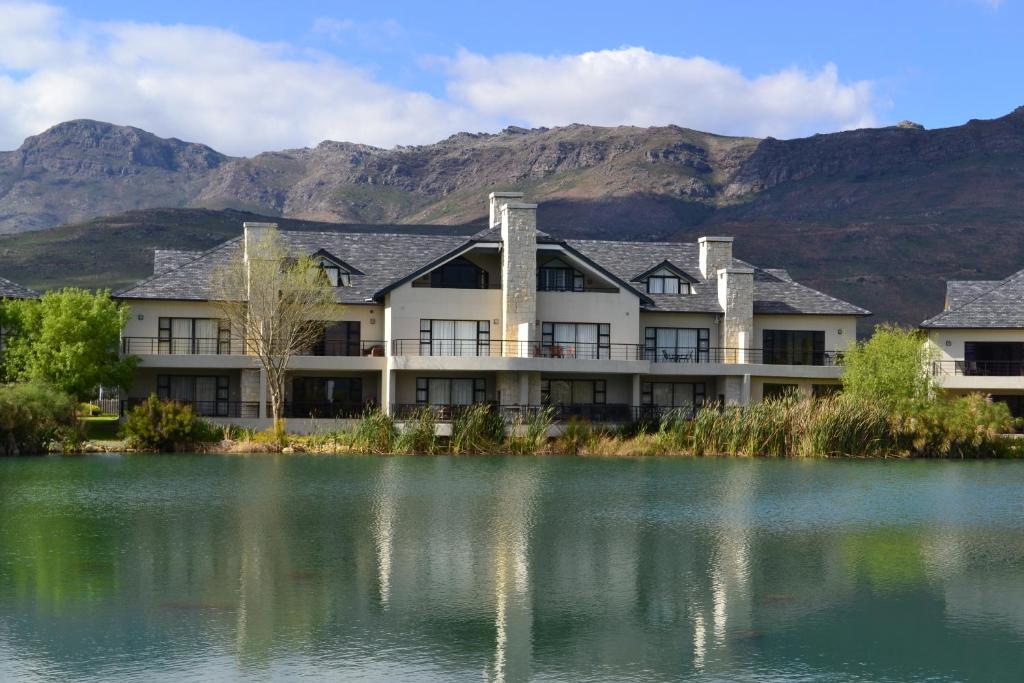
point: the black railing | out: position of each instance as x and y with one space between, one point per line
146 346
611 412
323 410
979 368
239 409
515 349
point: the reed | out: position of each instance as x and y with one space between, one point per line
529 433
374 433
478 429
418 435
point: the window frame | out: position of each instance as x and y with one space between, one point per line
423 390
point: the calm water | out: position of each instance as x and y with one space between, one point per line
554 569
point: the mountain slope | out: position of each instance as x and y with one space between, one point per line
876 216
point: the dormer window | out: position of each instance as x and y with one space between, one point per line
557 276
337 276
664 281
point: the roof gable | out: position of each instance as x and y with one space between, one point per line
981 304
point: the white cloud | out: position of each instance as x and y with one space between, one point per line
639 87
243 96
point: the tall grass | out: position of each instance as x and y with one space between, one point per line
529 433
375 433
478 429
418 435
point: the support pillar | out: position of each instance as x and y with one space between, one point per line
389 388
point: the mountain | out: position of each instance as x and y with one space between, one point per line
876 216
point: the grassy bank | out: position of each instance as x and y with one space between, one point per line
969 427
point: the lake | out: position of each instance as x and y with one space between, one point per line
177 568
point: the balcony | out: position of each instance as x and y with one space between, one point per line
607 413
978 368
612 351
239 409
154 346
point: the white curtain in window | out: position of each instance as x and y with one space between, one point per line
182 388
439 392
561 392
687 339
206 395
465 335
442 338
665 340
662 394
462 392
583 393
181 335
565 335
586 341
206 335
671 285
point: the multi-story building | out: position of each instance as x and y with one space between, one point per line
977 342
510 316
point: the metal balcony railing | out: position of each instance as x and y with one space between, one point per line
153 346
239 409
978 368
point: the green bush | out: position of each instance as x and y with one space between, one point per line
529 434
478 429
964 427
89 410
34 415
163 426
419 434
577 436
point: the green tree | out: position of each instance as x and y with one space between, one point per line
890 369
68 339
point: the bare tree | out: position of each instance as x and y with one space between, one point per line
277 304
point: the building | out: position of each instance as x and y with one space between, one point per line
511 316
977 341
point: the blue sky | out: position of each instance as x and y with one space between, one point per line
400 73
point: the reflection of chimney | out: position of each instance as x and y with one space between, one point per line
518 222
715 254
255 233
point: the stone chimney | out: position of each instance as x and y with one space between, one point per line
715 254
254 233
518 222
736 296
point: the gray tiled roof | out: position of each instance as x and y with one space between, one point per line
386 258
982 304
774 290
381 257
169 259
12 290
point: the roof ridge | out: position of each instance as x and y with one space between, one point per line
998 284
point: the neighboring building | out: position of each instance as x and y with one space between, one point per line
977 342
511 316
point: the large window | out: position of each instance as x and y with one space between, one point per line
677 344
340 339
557 276
208 395
326 396
777 391
556 392
194 335
994 358
576 340
459 274
687 395
450 391
664 281
336 275
455 337
793 347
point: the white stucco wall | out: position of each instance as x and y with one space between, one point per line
621 310
408 304
956 337
829 324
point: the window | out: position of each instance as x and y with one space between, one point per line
824 390
689 395
576 340
208 395
555 392
459 274
793 347
326 396
194 335
557 276
664 281
336 275
777 391
677 344
450 391
340 339
455 337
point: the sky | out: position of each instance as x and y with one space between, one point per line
246 77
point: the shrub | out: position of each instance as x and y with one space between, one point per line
163 426
577 436
89 410
478 429
964 427
34 415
